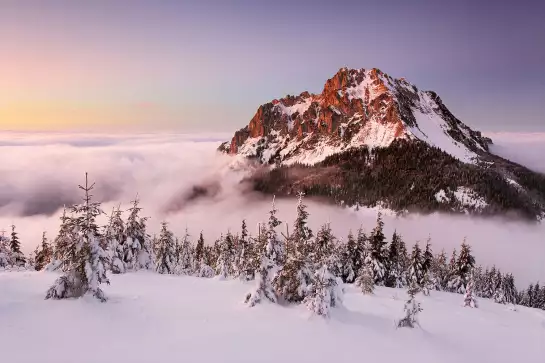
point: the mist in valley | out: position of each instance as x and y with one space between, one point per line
181 179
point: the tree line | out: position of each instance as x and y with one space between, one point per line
298 266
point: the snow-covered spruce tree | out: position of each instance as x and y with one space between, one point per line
293 280
17 257
224 266
43 254
365 280
452 270
64 247
248 255
5 257
464 265
165 260
378 255
242 257
271 258
440 271
499 293
347 252
139 251
115 239
185 256
510 291
427 258
412 308
323 247
469 298
206 268
478 278
397 258
274 248
362 250
199 250
324 293
263 281
488 283
203 259
416 270
539 293
86 271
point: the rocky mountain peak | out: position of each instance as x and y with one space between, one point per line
357 107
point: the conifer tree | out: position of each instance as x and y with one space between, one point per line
499 293
323 247
469 298
208 263
17 257
464 265
245 258
360 254
274 243
348 260
440 271
324 293
4 252
293 280
116 239
397 255
165 262
478 279
224 265
139 248
412 308
366 281
185 256
43 254
452 270
510 291
86 269
416 270
428 257
199 250
271 258
377 258
64 248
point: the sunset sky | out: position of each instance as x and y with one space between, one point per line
116 65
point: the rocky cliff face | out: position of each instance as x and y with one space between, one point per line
357 107
369 139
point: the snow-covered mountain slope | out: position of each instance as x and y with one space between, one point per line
357 107
369 139
156 318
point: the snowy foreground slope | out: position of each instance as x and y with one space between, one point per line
155 318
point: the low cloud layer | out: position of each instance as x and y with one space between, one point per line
181 179
524 148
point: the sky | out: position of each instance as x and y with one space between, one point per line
185 66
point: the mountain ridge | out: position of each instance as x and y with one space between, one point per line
368 110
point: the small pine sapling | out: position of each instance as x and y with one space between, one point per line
412 308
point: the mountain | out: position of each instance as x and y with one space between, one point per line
369 139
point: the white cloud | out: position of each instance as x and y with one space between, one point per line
40 172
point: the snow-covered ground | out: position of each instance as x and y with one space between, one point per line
157 318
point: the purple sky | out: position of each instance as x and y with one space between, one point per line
208 65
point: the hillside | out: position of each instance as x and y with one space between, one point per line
155 318
369 139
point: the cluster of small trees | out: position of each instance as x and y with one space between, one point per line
296 267
10 251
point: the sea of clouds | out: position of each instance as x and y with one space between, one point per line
181 179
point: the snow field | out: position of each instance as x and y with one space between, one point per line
163 318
